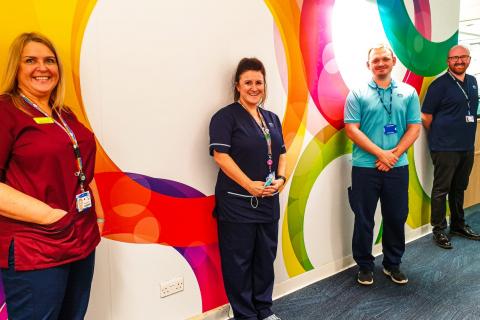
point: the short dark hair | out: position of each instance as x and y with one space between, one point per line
248 64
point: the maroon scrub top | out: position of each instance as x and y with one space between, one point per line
38 160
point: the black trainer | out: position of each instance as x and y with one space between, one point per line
442 240
365 277
272 317
395 275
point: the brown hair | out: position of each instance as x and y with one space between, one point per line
248 64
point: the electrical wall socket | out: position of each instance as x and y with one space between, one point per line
171 286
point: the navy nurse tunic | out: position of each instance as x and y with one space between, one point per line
234 131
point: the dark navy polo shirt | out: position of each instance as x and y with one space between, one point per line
448 106
234 131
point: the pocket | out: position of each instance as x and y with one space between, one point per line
60 228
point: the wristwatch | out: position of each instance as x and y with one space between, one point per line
283 178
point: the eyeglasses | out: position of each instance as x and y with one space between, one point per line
456 58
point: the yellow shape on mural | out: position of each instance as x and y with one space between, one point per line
61 21
292 265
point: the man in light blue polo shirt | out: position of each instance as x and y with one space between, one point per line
382 118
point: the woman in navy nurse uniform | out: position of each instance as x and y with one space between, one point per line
247 144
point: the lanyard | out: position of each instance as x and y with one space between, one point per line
389 109
268 138
76 149
463 91
266 134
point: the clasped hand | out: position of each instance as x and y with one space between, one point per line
386 160
258 189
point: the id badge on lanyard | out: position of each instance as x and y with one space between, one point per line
390 129
83 200
269 179
469 118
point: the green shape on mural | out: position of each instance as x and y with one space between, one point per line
418 200
325 147
380 234
418 54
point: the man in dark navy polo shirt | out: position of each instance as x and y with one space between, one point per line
449 113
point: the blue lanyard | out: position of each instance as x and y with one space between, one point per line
76 149
389 109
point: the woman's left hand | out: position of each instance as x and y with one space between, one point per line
273 188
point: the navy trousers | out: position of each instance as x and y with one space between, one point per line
48 294
247 252
368 186
451 172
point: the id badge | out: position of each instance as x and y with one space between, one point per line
269 179
390 129
84 201
469 119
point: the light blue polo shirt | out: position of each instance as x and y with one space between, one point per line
363 105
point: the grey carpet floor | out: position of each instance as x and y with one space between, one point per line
443 284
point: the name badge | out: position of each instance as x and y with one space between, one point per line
84 201
390 129
43 120
269 179
469 118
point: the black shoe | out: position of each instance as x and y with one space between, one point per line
365 277
465 232
442 240
395 275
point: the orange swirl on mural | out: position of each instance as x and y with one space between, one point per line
287 19
184 221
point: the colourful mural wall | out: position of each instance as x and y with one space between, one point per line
154 180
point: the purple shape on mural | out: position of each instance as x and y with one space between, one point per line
166 187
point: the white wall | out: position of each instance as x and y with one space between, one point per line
153 73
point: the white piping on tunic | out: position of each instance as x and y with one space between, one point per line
220 144
253 203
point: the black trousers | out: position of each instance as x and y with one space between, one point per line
247 252
451 170
368 186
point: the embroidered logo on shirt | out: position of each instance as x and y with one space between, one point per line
399 94
270 124
474 87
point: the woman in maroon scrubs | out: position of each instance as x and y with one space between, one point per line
48 229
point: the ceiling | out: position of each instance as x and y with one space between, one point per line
469 32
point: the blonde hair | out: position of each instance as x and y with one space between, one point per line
378 47
9 83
